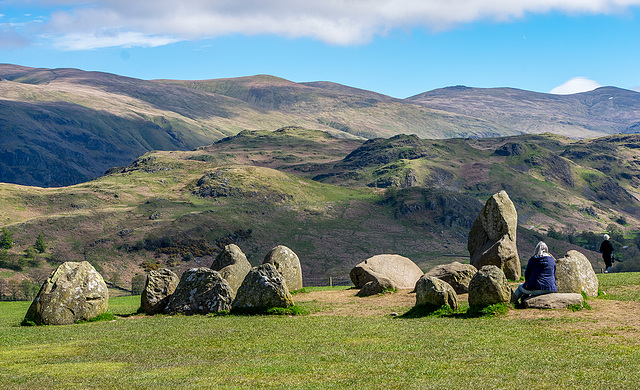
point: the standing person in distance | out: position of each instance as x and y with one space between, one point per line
606 248
540 275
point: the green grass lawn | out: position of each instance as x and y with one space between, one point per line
315 352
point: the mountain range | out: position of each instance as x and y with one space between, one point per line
61 127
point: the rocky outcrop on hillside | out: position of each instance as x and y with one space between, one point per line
382 151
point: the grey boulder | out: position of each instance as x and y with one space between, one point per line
458 275
158 288
574 274
233 266
435 292
376 286
263 288
401 271
288 264
74 291
553 301
489 286
200 291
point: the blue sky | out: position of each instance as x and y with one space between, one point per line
399 48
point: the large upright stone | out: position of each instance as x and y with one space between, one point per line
287 263
159 287
74 291
200 291
233 266
574 274
492 239
458 275
435 292
488 287
401 271
263 288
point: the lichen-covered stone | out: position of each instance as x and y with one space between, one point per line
288 264
159 287
553 301
574 274
401 271
233 266
458 275
377 286
74 291
263 288
435 292
200 291
489 286
492 238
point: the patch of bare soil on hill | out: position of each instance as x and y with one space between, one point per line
605 319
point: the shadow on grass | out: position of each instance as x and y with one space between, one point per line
420 311
285 311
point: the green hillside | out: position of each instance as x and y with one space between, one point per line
334 201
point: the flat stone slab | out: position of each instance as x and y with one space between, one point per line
553 301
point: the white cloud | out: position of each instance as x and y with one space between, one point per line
111 39
340 22
575 85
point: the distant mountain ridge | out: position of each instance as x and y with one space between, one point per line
65 126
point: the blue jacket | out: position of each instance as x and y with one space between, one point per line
541 274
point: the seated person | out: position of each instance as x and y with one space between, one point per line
540 275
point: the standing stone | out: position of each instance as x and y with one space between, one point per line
263 288
377 286
458 275
157 291
233 266
200 291
492 239
401 271
288 264
435 292
488 287
74 291
574 274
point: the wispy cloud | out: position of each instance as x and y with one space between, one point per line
575 85
10 38
110 39
339 22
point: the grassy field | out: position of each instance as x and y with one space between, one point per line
319 351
